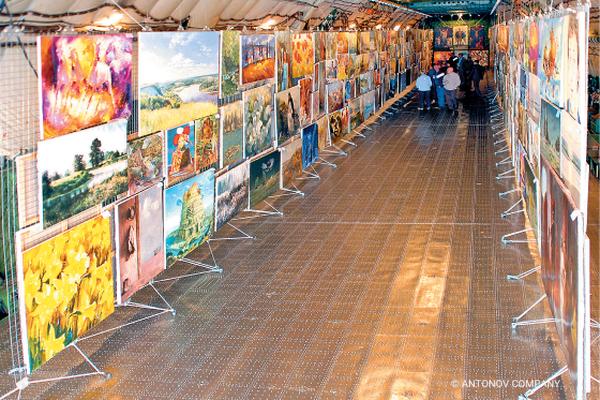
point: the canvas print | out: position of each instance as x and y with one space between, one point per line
291 163
230 63
552 68
85 80
232 194
258 58
8 214
141 245
65 289
461 35
303 56
91 170
352 42
342 43
534 146
144 162
232 133
368 103
335 96
343 61
575 64
181 153
533 46
529 189
288 113
310 145
330 45
305 101
320 47
189 214
478 38
207 142
264 177
283 41
366 45
349 90
550 133
480 55
331 70
178 78
442 38
323 131
561 251
355 113
440 57
338 124
258 119
572 157
534 101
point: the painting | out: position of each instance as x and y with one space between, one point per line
562 253
264 177
533 151
342 43
368 104
316 111
331 46
230 63
8 214
232 194
575 64
207 142
366 82
144 162
141 254
258 58
480 55
441 57
550 133
91 170
442 38
189 214
343 61
288 113
478 38
338 124
291 163
355 113
335 96
283 42
502 38
85 80
258 119
65 289
349 90
323 131
310 145
461 35
534 101
533 46
331 70
320 39
366 41
352 42
178 78
305 101
232 134
529 190
573 146
303 56
552 61
181 153
28 209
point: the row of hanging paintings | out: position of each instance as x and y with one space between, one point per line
541 70
460 37
225 120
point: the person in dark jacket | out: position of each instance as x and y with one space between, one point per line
436 76
467 70
477 76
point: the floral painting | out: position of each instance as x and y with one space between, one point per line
335 96
181 153
291 163
85 80
310 145
207 142
144 162
189 214
65 289
303 56
288 113
232 194
283 48
230 63
232 133
258 119
264 177
258 58
178 78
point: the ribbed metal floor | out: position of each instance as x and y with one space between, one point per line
386 281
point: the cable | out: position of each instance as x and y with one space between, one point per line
4 5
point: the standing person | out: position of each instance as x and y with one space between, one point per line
467 71
424 87
477 76
436 76
460 66
451 83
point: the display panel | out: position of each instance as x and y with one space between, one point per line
232 134
264 177
310 145
288 114
232 194
258 58
258 120
145 162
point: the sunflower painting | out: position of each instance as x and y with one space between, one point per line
66 288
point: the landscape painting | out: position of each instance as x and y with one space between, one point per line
232 194
232 133
283 47
305 101
442 38
65 289
355 113
141 244
258 119
189 215
303 55
478 38
207 142
572 157
258 58
91 170
85 80
288 117
550 133
181 153
335 96
291 163
230 63
264 177
552 68
178 78
529 189
144 162
310 145
461 36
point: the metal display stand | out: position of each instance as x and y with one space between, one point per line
506 238
523 275
511 210
311 175
207 268
518 321
541 385
260 213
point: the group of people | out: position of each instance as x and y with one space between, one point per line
441 83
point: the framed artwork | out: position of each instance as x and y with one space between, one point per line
181 153
145 162
264 177
478 38
207 142
258 120
258 58
461 35
442 38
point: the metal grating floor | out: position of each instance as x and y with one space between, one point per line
387 280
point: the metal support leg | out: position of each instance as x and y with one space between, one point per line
505 175
260 213
325 162
505 239
507 160
517 321
289 192
510 211
337 152
502 150
243 237
523 275
357 133
351 143
504 194
527 394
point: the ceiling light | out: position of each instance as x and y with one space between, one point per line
352 25
268 23
397 28
110 20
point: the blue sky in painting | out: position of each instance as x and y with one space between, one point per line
169 56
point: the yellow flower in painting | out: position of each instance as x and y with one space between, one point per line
32 284
53 344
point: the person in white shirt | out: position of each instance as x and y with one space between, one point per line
451 83
424 87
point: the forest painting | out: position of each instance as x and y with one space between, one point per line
230 63
232 133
